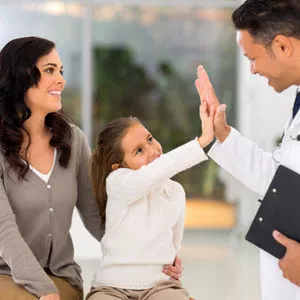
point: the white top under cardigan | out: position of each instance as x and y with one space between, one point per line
144 220
45 177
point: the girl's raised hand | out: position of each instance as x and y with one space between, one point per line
207 114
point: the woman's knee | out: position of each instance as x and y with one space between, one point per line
66 290
12 291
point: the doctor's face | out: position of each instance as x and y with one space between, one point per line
276 63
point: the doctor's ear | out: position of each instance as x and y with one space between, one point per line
115 167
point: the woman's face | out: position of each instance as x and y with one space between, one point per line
46 96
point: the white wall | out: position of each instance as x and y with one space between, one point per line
86 247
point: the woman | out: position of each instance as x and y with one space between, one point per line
44 175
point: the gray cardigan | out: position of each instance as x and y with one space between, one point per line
35 220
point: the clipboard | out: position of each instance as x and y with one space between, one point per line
279 210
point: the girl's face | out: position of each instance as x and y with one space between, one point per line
139 147
46 96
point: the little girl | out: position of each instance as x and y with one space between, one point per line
142 209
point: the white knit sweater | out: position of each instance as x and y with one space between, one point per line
144 220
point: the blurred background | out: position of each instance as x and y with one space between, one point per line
140 58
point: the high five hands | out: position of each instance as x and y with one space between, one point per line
290 263
209 104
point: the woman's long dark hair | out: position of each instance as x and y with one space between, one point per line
18 73
107 153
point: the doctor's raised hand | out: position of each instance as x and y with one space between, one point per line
207 95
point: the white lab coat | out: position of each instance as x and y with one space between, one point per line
255 168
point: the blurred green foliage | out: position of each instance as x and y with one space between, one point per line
122 87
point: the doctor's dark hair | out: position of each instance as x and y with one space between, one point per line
18 73
265 19
108 152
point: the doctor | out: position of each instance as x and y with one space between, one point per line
269 35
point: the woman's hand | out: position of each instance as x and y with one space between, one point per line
175 270
50 297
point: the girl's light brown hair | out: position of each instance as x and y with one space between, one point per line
107 153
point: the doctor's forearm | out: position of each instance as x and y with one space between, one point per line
243 159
